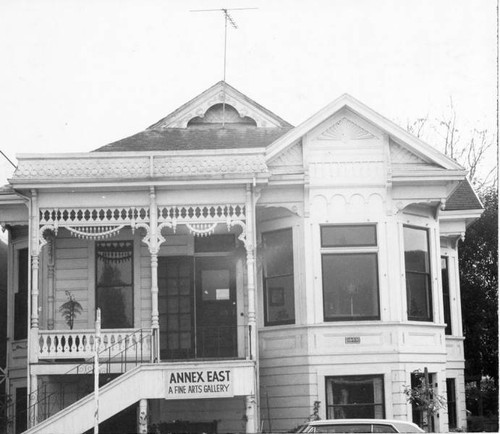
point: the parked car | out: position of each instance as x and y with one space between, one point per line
359 426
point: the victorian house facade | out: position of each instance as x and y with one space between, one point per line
243 269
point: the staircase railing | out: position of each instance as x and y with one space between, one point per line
118 355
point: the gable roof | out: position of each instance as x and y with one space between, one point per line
463 198
178 139
396 133
172 132
216 94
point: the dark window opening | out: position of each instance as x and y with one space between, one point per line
279 294
451 398
418 275
356 396
215 243
21 409
446 295
21 313
114 283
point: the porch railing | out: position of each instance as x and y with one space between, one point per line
80 344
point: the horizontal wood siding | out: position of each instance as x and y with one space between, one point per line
71 274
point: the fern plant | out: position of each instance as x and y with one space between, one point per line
70 309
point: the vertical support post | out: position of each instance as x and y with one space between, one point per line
153 248
33 330
33 401
97 342
142 417
50 285
35 251
251 400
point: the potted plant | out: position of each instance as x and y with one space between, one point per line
70 309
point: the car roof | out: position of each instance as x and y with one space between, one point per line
396 423
342 421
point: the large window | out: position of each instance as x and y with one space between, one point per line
21 294
350 272
278 277
356 396
114 283
418 275
446 294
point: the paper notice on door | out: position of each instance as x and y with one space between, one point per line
222 294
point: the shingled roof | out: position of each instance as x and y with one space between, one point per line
177 139
463 198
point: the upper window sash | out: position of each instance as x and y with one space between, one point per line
352 235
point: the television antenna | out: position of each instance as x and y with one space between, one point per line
227 19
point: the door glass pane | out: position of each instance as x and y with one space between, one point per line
215 285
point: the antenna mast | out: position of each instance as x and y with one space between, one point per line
227 18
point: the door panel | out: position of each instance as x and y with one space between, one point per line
216 307
197 307
176 307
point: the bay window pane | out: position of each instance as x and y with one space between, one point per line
350 286
418 277
348 235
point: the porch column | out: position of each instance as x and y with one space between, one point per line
142 417
251 400
33 402
50 284
153 249
35 249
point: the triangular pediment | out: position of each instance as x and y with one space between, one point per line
345 129
348 121
287 160
208 104
401 155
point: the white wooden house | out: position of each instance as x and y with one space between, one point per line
244 269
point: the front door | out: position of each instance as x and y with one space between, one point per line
197 307
215 307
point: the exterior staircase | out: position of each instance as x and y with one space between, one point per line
147 381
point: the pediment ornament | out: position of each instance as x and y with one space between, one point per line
400 155
345 129
291 157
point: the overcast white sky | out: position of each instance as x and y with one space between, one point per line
76 75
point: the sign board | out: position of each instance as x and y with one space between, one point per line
200 383
352 340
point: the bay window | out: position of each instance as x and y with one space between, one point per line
418 275
350 272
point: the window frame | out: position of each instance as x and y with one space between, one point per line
330 407
345 250
20 325
430 300
132 280
265 278
445 286
451 398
